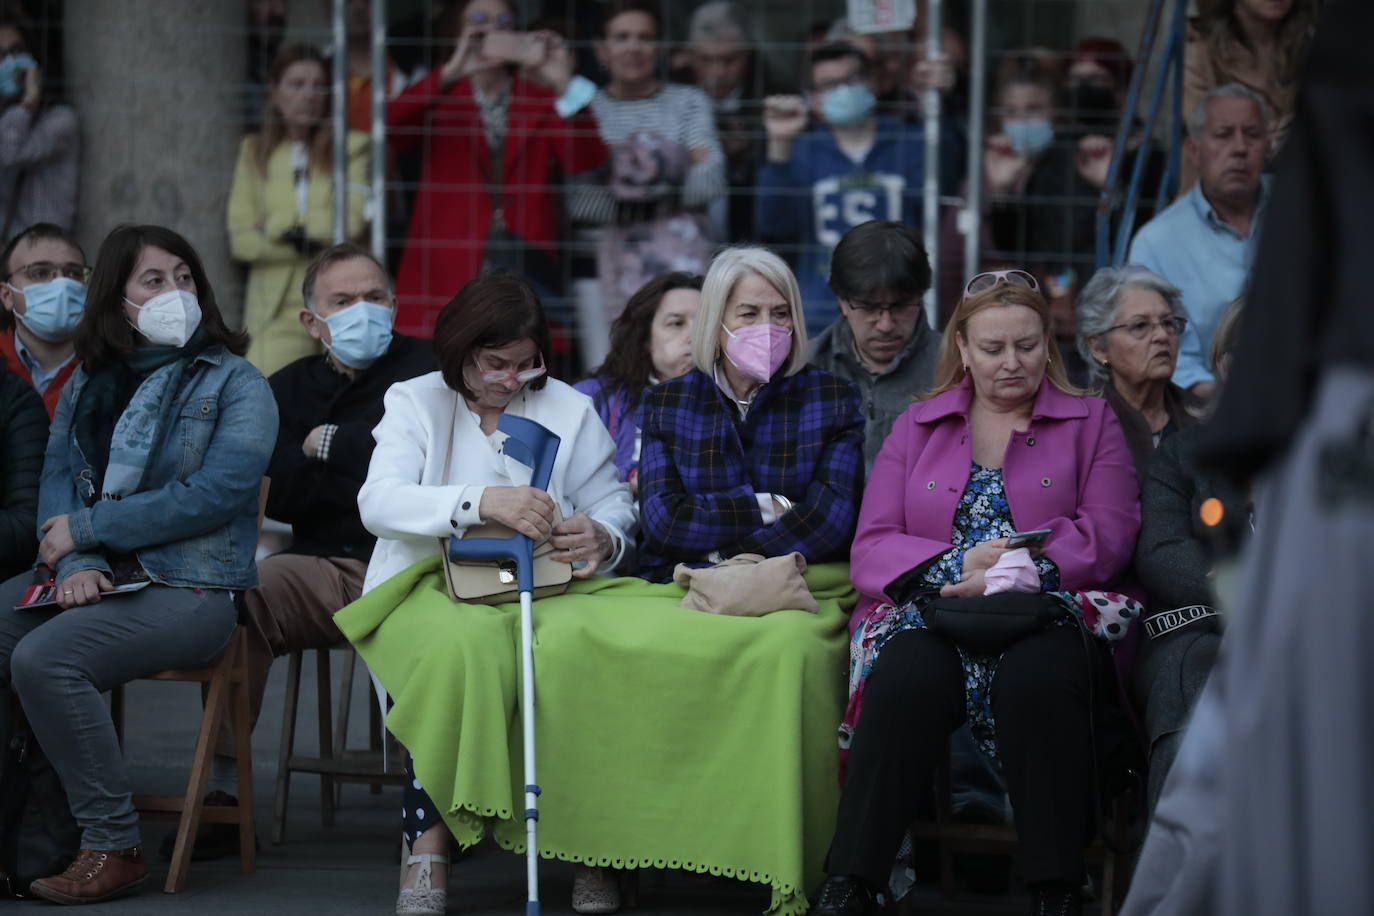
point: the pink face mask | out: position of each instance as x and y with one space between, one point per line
758 350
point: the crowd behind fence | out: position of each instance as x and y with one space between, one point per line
588 226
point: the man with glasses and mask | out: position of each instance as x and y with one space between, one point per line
328 404
44 293
832 163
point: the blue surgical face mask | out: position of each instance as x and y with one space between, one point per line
52 310
845 106
359 334
1029 137
10 68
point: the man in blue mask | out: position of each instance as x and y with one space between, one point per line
328 405
849 166
43 277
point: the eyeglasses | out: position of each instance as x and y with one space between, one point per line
872 311
482 17
1141 327
988 279
501 376
45 271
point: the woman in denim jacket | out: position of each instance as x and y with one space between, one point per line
152 474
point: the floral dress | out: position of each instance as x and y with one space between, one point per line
982 514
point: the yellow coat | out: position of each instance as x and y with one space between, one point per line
261 208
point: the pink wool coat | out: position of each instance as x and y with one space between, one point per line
1069 471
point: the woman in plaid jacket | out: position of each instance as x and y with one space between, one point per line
753 451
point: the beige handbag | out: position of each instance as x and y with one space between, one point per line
747 585
495 583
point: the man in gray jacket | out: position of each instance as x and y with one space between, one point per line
881 341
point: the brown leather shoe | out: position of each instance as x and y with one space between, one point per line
96 875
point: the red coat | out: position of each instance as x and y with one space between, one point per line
452 207
16 365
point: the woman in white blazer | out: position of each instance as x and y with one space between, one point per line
492 342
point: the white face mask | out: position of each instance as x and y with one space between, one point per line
168 319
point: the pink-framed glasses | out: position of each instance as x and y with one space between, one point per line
501 376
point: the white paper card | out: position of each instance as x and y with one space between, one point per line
881 15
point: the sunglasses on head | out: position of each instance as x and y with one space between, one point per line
990 278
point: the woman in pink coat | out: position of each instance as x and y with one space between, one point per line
1003 444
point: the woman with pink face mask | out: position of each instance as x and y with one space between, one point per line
753 451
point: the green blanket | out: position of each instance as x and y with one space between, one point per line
666 738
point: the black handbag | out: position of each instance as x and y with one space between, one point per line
990 624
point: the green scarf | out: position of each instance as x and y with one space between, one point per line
108 392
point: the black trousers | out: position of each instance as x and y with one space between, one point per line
914 699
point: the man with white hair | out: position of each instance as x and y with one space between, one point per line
1203 243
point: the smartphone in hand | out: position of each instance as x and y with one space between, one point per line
521 48
1028 538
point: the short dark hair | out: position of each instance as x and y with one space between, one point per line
838 50
344 251
35 233
492 310
619 7
104 334
628 362
880 256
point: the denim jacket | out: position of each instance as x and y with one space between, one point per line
194 522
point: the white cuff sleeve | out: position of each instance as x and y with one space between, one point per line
465 513
767 508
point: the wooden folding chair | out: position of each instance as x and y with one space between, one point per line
227 681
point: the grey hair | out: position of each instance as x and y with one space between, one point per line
334 254
1197 119
727 268
1100 299
719 20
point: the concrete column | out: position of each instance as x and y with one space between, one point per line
158 87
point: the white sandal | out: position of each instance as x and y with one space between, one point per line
424 899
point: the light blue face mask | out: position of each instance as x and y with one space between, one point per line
52 310
359 334
1029 138
845 106
10 68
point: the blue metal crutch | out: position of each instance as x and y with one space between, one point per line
535 446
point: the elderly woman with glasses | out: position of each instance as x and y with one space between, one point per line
1129 324
1002 445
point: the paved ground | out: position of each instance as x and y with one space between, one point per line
351 868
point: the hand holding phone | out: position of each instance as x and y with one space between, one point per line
1028 538
521 48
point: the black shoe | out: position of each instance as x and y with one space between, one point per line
844 897
1055 898
213 841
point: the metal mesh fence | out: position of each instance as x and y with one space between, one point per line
482 171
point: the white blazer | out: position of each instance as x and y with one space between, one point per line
409 498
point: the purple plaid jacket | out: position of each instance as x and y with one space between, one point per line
701 467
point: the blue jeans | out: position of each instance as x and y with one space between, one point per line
59 662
